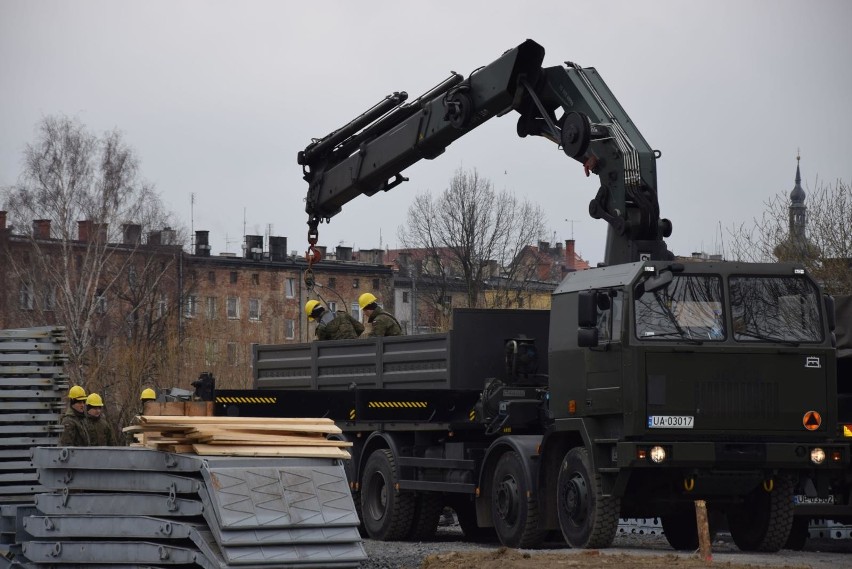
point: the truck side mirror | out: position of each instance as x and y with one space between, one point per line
656 283
587 309
587 337
829 312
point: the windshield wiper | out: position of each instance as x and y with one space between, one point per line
767 338
680 333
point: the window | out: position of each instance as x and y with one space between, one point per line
50 300
332 282
25 296
211 277
290 287
520 302
356 283
162 306
255 278
233 307
775 309
689 308
234 276
289 329
405 297
132 277
193 275
609 317
191 307
211 308
232 354
376 284
254 309
100 302
210 352
356 311
447 301
332 306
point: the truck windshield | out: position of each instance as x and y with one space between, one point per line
690 308
775 309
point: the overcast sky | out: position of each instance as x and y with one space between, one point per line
218 97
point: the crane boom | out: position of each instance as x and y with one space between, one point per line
369 154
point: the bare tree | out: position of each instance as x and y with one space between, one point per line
473 235
825 249
83 265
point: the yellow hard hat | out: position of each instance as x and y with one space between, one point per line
366 299
94 400
76 392
148 394
310 306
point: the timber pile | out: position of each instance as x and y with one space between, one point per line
239 436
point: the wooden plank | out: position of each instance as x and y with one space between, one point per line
164 410
152 419
198 408
301 452
271 440
288 429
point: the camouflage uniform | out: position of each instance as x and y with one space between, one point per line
339 326
74 433
384 324
100 432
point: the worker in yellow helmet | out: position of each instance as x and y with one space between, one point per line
332 326
382 322
74 433
99 429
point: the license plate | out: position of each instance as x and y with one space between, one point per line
670 421
802 499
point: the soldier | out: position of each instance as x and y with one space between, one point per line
74 432
99 430
339 326
383 323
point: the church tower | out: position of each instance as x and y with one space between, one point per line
798 209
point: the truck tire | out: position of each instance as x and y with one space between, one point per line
799 534
588 519
427 510
386 513
465 511
681 527
514 509
764 520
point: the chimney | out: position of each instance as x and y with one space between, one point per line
202 244
154 238
253 247
570 255
543 246
131 234
277 248
84 230
343 253
2 220
41 229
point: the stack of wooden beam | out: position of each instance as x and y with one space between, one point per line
239 436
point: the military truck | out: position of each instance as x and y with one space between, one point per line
649 384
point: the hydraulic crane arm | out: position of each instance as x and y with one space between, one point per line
369 154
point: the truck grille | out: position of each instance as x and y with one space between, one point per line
737 399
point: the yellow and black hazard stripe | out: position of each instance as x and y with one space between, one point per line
246 399
397 404
352 414
472 415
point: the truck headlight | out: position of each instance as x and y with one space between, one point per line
817 455
658 454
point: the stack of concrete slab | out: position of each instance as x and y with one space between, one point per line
32 385
145 508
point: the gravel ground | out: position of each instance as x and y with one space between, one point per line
818 554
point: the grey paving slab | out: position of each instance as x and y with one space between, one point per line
117 504
92 552
115 458
106 527
117 480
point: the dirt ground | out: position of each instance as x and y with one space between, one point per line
504 558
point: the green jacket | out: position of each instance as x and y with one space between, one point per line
100 432
339 326
384 324
74 433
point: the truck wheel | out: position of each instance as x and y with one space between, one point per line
514 510
681 527
588 519
799 534
763 521
427 510
465 511
386 513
